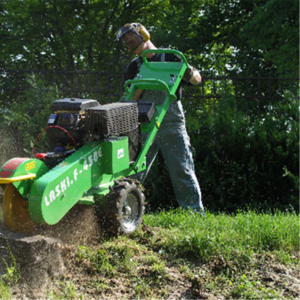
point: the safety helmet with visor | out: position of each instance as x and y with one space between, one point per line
132 34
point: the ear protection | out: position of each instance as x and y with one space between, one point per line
141 30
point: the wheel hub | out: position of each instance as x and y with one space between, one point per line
127 210
130 212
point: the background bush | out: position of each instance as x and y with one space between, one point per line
24 120
243 159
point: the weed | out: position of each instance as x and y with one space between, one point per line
4 291
159 272
12 271
66 290
11 276
150 259
252 289
95 260
186 271
142 289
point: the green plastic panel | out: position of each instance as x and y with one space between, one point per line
116 155
55 193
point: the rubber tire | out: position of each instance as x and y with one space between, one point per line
15 211
114 219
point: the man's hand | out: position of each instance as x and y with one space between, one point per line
192 75
196 78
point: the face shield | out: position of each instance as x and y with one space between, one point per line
130 38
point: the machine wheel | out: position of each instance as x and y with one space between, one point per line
124 207
15 211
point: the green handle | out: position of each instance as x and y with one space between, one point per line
163 51
151 81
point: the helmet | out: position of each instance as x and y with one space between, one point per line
137 28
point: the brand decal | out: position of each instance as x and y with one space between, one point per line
120 153
69 180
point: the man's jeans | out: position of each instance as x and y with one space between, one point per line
173 141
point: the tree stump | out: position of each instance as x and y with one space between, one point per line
38 256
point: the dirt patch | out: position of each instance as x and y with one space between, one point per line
278 275
89 284
79 226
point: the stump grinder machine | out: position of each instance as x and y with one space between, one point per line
94 150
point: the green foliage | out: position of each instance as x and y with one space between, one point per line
109 259
121 256
96 261
272 30
64 34
68 35
249 161
27 118
219 36
244 158
233 256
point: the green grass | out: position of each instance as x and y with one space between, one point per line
178 253
232 237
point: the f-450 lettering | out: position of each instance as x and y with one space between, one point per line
67 182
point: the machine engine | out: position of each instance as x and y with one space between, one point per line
74 122
68 114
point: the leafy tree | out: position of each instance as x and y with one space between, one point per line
53 34
67 34
218 36
273 31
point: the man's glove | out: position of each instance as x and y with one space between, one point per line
188 73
